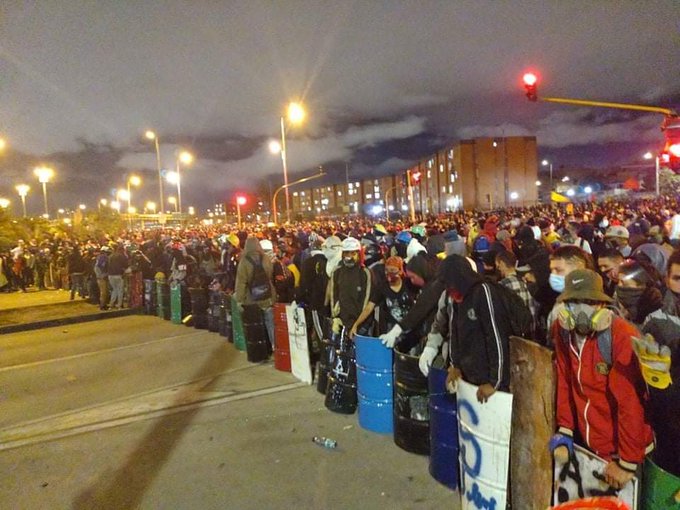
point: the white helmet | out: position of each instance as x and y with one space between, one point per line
266 245
351 244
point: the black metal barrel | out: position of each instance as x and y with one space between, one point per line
341 390
411 415
150 300
214 310
225 316
257 343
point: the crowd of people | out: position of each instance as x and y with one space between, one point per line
598 283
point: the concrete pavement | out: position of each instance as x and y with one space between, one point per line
139 413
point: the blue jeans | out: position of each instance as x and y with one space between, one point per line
268 314
116 282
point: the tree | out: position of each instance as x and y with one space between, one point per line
669 182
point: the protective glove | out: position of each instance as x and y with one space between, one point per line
559 441
655 361
426 359
337 326
390 338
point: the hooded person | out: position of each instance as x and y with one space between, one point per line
478 331
454 244
419 264
331 249
652 253
638 290
350 288
284 281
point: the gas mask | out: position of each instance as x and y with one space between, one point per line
350 259
584 319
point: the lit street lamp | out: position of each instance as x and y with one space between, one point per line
296 115
173 201
4 203
102 202
135 181
545 162
185 158
44 174
150 135
23 190
3 144
151 206
115 205
648 155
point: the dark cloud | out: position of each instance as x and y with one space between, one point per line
385 83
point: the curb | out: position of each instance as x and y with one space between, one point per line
30 326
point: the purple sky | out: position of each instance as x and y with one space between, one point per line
385 83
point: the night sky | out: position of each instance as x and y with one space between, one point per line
385 83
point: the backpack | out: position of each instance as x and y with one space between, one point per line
480 246
260 286
518 314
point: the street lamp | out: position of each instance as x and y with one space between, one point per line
173 201
44 174
240 200
4 203
102 202
115 205
151 135
186 158
3 144
649 155
23 190
151 206
295 114
545 162
135 181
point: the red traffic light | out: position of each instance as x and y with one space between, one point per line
530 80
241 200
415 177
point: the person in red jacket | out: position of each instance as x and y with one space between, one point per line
600 389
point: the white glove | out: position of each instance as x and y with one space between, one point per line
434 340
390 338
426 359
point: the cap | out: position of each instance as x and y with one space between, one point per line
266 245
583 284
617 231
351 244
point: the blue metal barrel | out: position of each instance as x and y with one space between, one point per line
374 384
443 430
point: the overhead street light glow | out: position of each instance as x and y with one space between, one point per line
274 147
150 135
296 113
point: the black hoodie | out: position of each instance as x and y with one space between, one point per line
480 328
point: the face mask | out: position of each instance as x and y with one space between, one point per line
349 261
393 278
628 296
626 251
556 282
604 223
583 318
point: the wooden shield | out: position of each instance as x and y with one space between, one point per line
533 384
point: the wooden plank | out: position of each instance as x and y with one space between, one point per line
532 382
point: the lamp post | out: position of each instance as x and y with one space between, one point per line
295 114
23 190
649 155
173 201
151 135
240 200
44 174
4 203
545 162
185 158
286 186
135 181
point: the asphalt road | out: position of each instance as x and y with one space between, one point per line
135 412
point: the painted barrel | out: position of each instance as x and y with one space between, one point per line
329 343
163 299
660 489
281 341
411 414
443 430
136 290
150 297
257 343
237 326
199 307
225 316
374 384
341 392
213 311
176 303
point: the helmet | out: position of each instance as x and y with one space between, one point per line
404 237
266 245
234 240
351 244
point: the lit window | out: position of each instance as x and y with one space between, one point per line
441 169
377 194
350 185
356 184
429 174
295 193
339 193
369 196
302 193
443 189
450 189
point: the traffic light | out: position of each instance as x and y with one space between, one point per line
671 153
530 86
415 177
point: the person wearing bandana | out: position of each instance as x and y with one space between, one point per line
394 297
638 291
600 388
